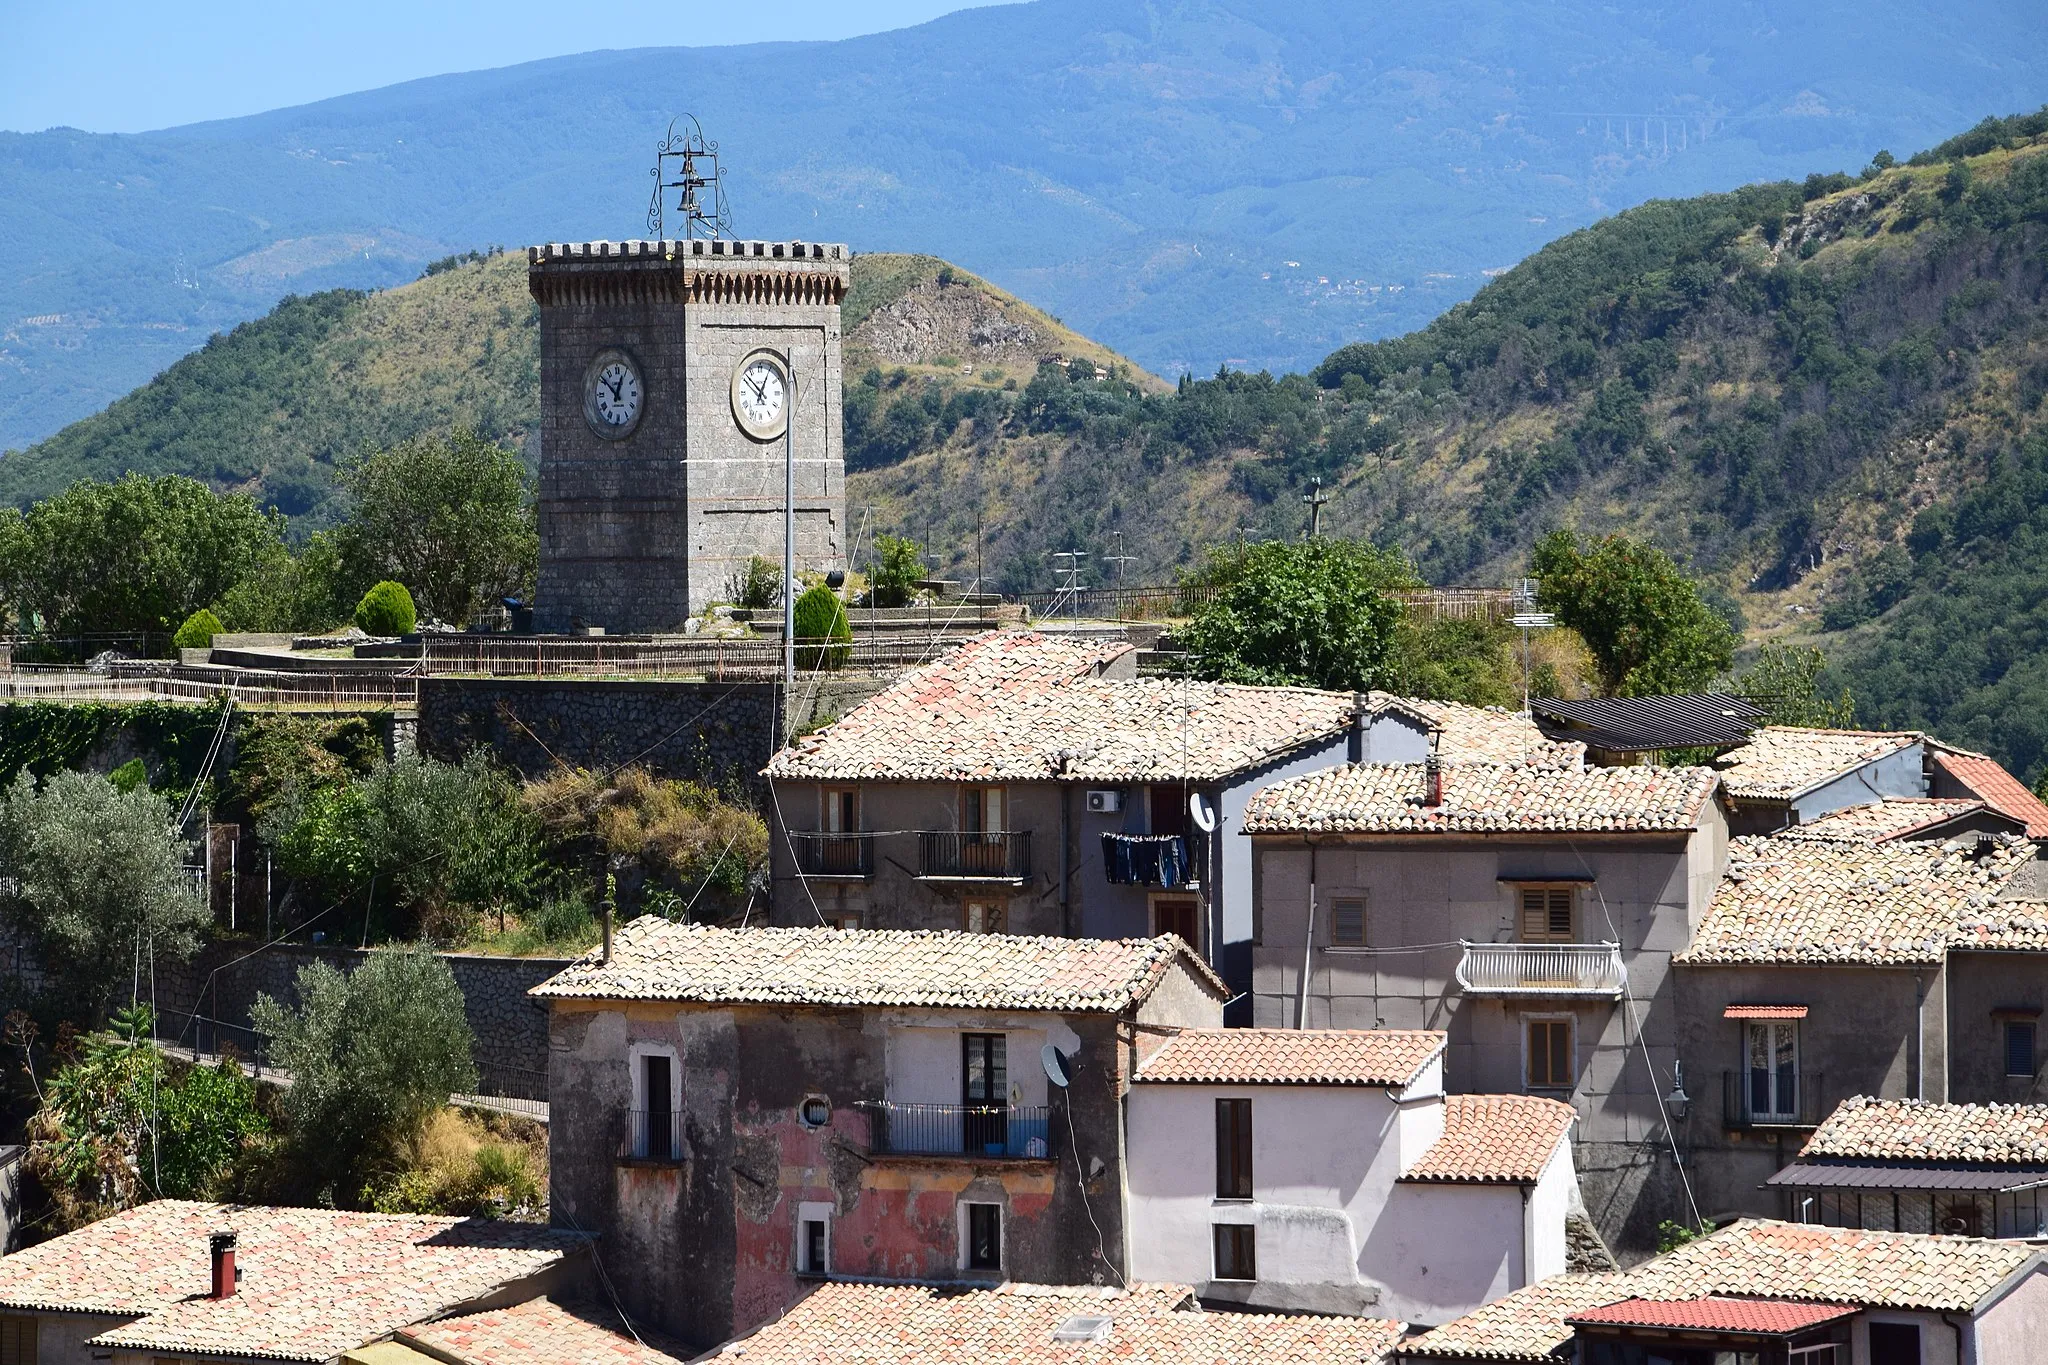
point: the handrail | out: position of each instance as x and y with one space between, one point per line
971 855
980 1130
1541 968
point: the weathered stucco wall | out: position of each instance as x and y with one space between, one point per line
1982 986
2012 1329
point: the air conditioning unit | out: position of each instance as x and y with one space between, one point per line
1105 802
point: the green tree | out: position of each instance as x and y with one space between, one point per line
198 631
94 874
387 609
119 1124
451 518
1475 661
1645 623
823 637
297 592
1309 614
1789 683
898 569
372 1054
138 554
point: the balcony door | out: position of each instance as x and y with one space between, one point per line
1772 1067
985 1092
983 851
842 856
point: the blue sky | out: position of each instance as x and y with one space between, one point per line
123 66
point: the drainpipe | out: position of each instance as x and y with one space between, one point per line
1919 1036
1957 1328
1528 1238
1066 856
1308 947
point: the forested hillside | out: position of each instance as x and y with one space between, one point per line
1825 397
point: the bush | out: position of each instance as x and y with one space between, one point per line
683 834
821 618
387 609
198 631
898 568
459 1165
373 1055
756 585
1312 614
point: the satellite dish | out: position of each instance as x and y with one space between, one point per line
1058 1069
1202 813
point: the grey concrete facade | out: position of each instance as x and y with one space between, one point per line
641 531
1424 895
706 1245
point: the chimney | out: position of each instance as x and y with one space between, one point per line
222 1245
611 892
1432 775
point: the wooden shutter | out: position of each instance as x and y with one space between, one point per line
17 1341
1347 922
1547 914
1233 1149
1550 1054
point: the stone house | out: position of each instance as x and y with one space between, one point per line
1771 1293
742 1113
1830 968
1974 1170
1326 1171
1792 775
1036 785
177 1281
1527 906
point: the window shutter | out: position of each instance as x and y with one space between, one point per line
1547 913
1560 912
1535 922
1347 922
2019 1049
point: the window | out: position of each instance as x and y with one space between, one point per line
654 1134
1894 1343
1236 1251
984 1237
1233 1149
981 810
814 1239
984 916
1547 914
984 1093
17 1341
1169 809
842 810
1347 922
848 920
1772 1067
1177 915
1548 1053
1825 1353
2019 1047
814 1112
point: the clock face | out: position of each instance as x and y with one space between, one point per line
760 396
612 395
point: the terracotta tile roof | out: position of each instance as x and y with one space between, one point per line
1998 788
1917 1130
1771 1317
1494 1139
1476 734
315 1282
1877 822
1794 901
1278 1056
1006 707
541 1332
1149 1324
1752 1258
1784 761
654 959
1482 798
1764 1012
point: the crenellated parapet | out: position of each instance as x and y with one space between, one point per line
675 270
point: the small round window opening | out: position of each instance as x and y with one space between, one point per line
814 1112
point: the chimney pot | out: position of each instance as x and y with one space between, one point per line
1432 780
221 1245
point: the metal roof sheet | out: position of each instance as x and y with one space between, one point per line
1822 1175
1642 724
1757 1317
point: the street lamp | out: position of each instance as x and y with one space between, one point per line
1678 1102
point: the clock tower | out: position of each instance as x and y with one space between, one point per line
669 373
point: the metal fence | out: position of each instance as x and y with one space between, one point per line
317 692
718 659
1747 1100
993 855
1453 604
47 647
833 855
652 1135
1542 969
961 1129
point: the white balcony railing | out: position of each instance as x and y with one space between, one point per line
1542 969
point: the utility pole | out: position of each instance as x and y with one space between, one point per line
1315 501
788 550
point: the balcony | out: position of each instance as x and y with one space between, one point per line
966 1130
1748 1100
1542 969
968 856
1145 860
833 855
654 1138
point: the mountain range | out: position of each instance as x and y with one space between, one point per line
1194 182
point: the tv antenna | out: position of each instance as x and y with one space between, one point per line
686 162
1315 501
1120 559
1527 618
1067 565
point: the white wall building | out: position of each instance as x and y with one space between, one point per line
1326 1171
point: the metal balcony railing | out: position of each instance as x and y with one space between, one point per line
1748 1100
655 1136
833 855
961 1130
991 856
1554 969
